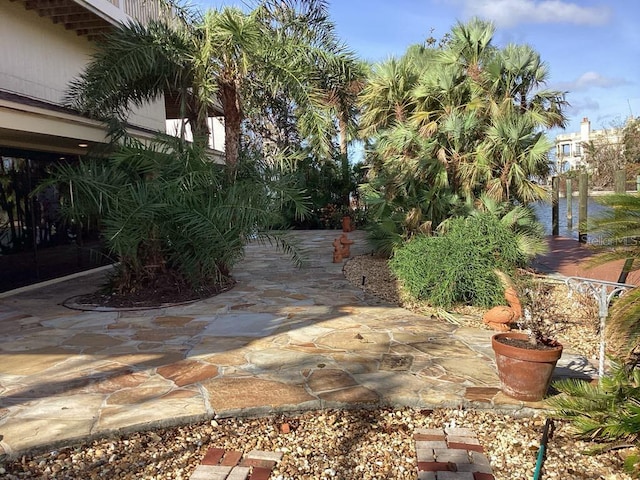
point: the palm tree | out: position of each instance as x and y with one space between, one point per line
479 109
212 60
621 225
512 154
470 47
171 217
139 63
518 73
387 95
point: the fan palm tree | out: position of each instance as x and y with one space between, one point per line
512 154
518 73
470 47
480 111
387 96
212 60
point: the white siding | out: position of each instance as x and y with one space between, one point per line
216 129
38 59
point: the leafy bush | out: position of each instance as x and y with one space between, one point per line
458 266
168 213
329 187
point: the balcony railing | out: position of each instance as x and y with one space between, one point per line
141 10
94 18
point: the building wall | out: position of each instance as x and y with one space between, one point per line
38 59
216 129
570 147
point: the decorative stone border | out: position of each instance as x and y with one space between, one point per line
450 454
220 464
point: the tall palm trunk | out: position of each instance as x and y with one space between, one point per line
342 126
232 125
344 156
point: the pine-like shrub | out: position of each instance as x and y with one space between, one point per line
458 267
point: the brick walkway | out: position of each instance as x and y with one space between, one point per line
570 258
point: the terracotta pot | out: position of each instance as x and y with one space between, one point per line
525 374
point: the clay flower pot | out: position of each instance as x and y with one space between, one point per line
525 373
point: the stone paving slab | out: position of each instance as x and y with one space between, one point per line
283 339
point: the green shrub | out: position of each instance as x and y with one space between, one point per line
168 213
458 266
607 413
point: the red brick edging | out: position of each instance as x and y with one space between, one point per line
450 454
220 464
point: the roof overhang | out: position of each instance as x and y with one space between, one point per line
36 125
91 18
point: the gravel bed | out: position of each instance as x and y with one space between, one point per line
358 444
345 444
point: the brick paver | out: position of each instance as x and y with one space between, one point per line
450 454
220 464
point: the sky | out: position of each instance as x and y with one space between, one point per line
592 47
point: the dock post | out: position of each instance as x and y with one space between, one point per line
583 187
569 197
555 192
620 181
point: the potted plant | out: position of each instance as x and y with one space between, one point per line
526 359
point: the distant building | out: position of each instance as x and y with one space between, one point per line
570 148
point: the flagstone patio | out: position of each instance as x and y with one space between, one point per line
283 339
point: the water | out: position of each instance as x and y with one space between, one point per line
543 211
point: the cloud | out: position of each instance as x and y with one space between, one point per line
509 13
590 80
582 105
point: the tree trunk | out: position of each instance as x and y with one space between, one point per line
232 126
344 158
342 125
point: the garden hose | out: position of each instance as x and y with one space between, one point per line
543 450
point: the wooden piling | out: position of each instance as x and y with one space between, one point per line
620 181
583 199
569 197
555 196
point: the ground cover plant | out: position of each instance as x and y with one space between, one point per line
459 265
463 263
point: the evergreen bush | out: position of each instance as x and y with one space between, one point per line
458 266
